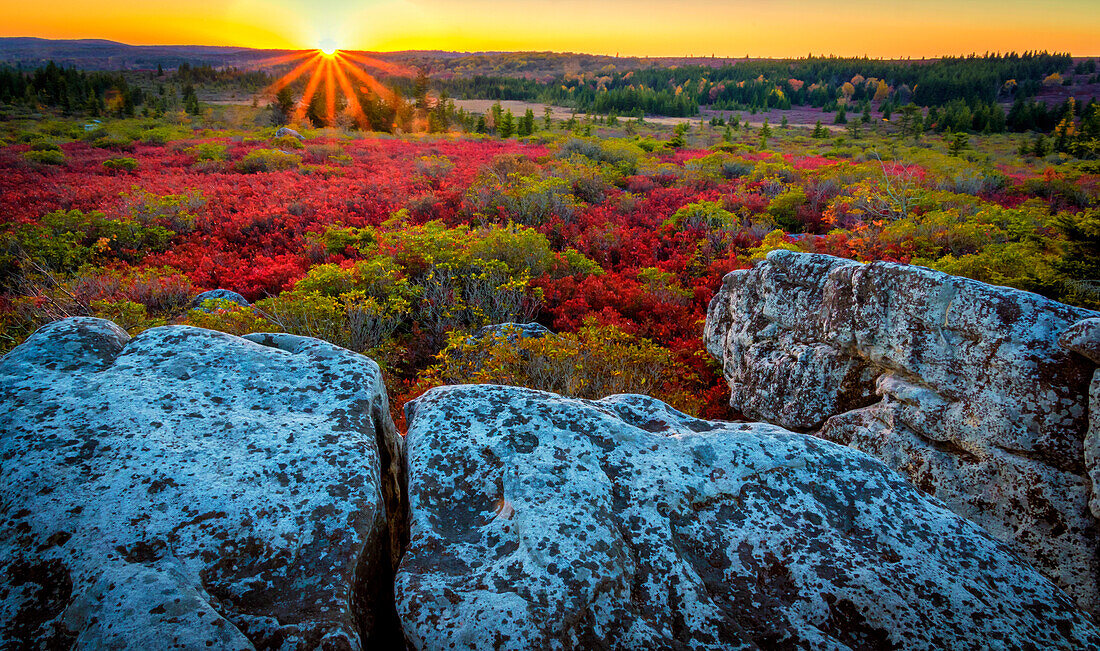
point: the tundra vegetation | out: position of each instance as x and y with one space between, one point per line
613 231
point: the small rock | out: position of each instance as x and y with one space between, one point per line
287 131
218 294
512 331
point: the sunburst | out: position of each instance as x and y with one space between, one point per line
334 70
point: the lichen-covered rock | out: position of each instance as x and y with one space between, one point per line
191 489
287 131
1084 338
220 295
544 522
961 386
513 331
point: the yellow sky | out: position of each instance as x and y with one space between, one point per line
735 28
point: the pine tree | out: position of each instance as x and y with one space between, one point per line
507 124
1039 146
677 141
765 133
959 142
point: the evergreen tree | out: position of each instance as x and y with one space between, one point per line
959 142
765 133
191 100
283 105
507 125
1039 146
677 141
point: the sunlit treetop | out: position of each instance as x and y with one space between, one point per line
338 71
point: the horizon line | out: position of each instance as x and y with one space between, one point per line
565 52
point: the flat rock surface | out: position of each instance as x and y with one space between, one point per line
544 522
978 394
191 489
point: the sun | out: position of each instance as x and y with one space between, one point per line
331 70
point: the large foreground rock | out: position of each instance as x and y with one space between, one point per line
961 386
190 489
544 522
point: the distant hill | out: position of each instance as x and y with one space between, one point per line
99 54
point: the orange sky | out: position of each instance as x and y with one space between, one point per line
877 28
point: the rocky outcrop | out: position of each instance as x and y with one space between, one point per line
287 131
219 295
191 489
544 522
961 386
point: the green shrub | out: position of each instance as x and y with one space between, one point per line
351 320
268 160
522 249
120 143
49 157
528 200
704 215
337 238
44 145
322 152
157 135
595 362
784 208
121 163
176 212
287 142
208 151
227 316
622 154
434 168
130 316
576 263
66 240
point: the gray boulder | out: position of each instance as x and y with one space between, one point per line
191 489
218 295
287 131
963 387
544 522
512 331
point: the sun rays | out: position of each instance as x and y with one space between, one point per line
334 73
